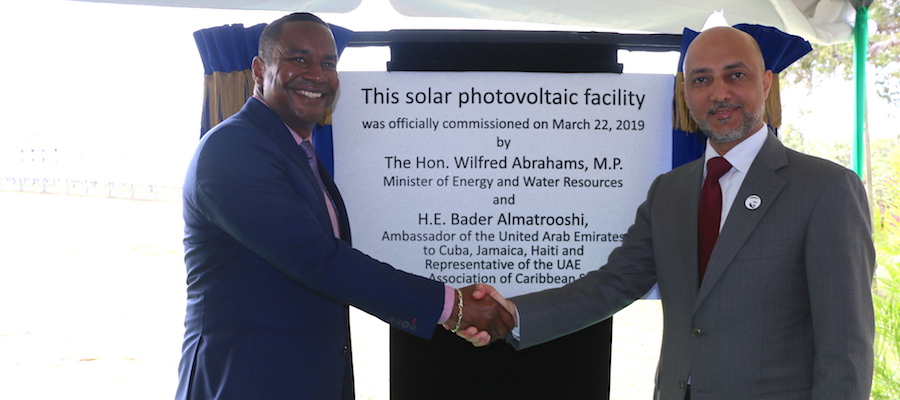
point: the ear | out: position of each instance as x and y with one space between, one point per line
258 67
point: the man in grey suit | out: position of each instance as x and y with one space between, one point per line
784 310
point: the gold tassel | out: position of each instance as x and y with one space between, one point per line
208 98
773 103
681 116
226 93
326 119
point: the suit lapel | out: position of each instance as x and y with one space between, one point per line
274 129
686 221
343 221
762 181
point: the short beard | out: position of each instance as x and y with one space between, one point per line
749 122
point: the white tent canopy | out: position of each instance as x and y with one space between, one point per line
819 21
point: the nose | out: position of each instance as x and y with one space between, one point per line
719 91
314 73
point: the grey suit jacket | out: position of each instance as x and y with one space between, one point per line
785 308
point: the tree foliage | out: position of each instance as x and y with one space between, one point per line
830 61
886 295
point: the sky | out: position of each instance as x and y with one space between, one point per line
114 92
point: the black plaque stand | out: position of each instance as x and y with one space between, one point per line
571 367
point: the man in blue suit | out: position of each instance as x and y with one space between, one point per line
270 268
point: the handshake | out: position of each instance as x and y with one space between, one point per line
481 315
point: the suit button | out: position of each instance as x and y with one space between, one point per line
681 385
346 349
696 332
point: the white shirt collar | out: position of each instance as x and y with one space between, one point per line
742 155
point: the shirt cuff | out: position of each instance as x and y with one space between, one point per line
516 331
449 301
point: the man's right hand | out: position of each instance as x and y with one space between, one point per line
490 318
480 337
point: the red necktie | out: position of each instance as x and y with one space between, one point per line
710 210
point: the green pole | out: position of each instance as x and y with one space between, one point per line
861 50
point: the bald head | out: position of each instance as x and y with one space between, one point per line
725 85
724 36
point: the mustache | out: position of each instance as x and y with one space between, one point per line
723 105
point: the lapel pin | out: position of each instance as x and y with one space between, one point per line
752 202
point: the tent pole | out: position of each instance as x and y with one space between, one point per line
861 49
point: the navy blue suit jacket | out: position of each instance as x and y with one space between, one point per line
268 285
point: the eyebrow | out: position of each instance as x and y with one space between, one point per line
739 64
696 71
706 70
293 52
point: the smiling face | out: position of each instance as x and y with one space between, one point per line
298 78
726 85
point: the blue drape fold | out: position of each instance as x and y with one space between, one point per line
226 53
228 48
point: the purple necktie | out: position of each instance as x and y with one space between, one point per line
710 210
313 160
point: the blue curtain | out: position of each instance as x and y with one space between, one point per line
226 52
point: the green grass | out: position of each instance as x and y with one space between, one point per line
886 293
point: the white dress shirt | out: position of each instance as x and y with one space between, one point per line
740 157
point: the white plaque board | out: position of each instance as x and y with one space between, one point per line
524 181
